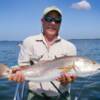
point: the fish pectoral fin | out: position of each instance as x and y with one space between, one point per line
65 69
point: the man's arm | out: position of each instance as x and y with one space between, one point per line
26 52
66 78
23 60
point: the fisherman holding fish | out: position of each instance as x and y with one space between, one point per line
48 45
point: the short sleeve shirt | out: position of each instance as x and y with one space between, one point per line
35 49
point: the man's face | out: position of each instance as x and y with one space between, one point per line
51 23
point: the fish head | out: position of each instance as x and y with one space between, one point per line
86 65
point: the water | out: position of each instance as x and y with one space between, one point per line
81 89
87 88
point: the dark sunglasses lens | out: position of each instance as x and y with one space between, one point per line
58 20
50 19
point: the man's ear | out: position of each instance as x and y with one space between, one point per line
42 20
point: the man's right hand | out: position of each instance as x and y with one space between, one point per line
16 75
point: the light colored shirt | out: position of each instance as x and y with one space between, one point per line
35 48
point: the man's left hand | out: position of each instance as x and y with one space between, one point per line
66 78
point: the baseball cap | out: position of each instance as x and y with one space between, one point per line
51 8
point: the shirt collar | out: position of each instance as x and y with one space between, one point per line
41 38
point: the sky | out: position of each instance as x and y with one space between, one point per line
22 18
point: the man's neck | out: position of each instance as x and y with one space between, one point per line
50 39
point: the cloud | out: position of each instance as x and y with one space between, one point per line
82 5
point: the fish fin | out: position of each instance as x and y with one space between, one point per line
93 62
65 69
59 57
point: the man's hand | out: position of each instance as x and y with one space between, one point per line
16 75
66 78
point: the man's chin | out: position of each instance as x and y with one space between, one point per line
51 32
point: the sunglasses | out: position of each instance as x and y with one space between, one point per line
50 19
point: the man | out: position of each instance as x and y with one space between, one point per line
46 46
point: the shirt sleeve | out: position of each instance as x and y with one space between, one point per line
25 53
70 48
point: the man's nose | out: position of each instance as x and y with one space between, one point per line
53 22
